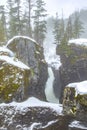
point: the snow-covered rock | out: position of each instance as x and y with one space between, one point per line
80 41
75 100
30 114
12 79
31 54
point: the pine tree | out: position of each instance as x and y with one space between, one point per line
69 29
39 21
15 21
11 19
18 16
3 33
29 12
56 31
62 27
77 27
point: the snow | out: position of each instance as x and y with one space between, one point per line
80 87
51 58
34 102
50 123
20 37
5 49
14 61
80 41
39 125
78 125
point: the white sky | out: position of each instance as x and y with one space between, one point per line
68 6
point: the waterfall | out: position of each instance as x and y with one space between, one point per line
49 92
53 60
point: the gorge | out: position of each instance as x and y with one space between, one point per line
25 107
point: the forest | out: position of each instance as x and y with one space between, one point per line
29 18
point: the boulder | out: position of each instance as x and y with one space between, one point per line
13 80
30 53
32 114
75 100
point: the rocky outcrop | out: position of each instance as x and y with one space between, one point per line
74 64
34 114
75 104
38 116
13 77
30 53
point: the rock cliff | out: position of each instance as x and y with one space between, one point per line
74 64
30 53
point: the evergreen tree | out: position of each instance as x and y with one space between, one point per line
29 5
15 21
11 19
56 31
69 29
18 16
3 33
39 21
62 27
77 27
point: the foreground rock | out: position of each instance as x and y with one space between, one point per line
30 53
13 77
34 114
31 114
75 100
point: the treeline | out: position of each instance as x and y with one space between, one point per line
23 17
28 17
65 30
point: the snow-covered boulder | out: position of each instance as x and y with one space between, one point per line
31 114
12 76
75 99
30 53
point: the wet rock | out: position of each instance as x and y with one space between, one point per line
12 77
75 100
77 125
30 53
74 64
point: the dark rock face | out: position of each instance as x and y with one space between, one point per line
74 65
30 53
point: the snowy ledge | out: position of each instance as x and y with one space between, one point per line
14 61
80 41
6 50
20 37
80 87
33 102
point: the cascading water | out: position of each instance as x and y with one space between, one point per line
53 61
49 92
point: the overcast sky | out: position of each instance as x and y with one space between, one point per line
68 6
